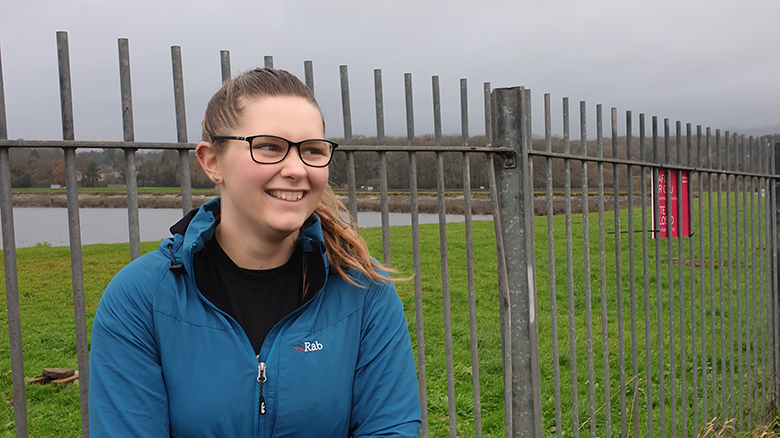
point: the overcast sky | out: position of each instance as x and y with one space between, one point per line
714 62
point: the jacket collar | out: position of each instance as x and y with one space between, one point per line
197 227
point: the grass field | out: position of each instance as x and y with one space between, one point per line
49 341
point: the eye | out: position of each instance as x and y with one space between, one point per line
315 148
268 145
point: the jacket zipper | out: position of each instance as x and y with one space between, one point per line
261 378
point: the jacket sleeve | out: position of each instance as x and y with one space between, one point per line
127 396
385 396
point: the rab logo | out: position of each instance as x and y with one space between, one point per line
308 346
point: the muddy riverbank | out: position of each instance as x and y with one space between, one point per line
480 203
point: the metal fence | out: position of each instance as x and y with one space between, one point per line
714 308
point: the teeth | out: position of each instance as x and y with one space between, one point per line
287 196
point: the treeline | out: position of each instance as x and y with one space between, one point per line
100 168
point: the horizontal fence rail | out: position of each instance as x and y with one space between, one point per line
687 326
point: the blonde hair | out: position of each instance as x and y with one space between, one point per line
345 248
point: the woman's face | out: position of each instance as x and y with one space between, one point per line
271 199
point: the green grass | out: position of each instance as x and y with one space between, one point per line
49 341
162 190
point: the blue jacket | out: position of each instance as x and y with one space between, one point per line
166 362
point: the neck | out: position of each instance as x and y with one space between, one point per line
251 251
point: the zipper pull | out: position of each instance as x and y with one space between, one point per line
261 378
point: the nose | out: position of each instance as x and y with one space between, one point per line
292 165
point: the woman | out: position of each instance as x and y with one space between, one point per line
264 315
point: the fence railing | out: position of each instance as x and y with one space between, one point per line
718 287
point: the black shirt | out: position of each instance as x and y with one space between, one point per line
256 299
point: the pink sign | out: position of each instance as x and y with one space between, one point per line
671 224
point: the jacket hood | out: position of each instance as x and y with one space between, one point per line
192 231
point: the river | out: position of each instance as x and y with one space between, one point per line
109 225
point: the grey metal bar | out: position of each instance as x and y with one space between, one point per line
632 275
747 400
729 259
509 108
753 312
738 281
268 61
713 321
418 305
308 72
602 263
762 302
551 273
11 278
380 141
618 277
488 116
658 298
464 127
3 123
718 165
131 182
771 238
692 257
74 231
347 114
444 263
586 267
681 287
436 111
224 62
181 130
670 278
646 277
575 410
503 293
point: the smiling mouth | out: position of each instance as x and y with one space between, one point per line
286 195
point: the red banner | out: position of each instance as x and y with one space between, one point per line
671 224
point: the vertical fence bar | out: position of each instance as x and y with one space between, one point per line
131 181
658 293
503 282
418 305
730 285
618 276
774 155
74 231
646 277
681 285
632 275
708 164
762 304
380 141
721 284
602 265
224 62
753 314
445 270
11 278
181 130
670 278
347 113
308 72
464 129
586 267
738 272
702 308
551 268
268 61
516 204
575 410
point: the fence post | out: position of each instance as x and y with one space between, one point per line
11 278
511 115
181 130
775 303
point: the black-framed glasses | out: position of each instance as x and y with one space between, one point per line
270 149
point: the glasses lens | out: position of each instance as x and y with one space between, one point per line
268 149
316 152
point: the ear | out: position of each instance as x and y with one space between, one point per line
209 161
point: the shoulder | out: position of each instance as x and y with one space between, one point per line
137 282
